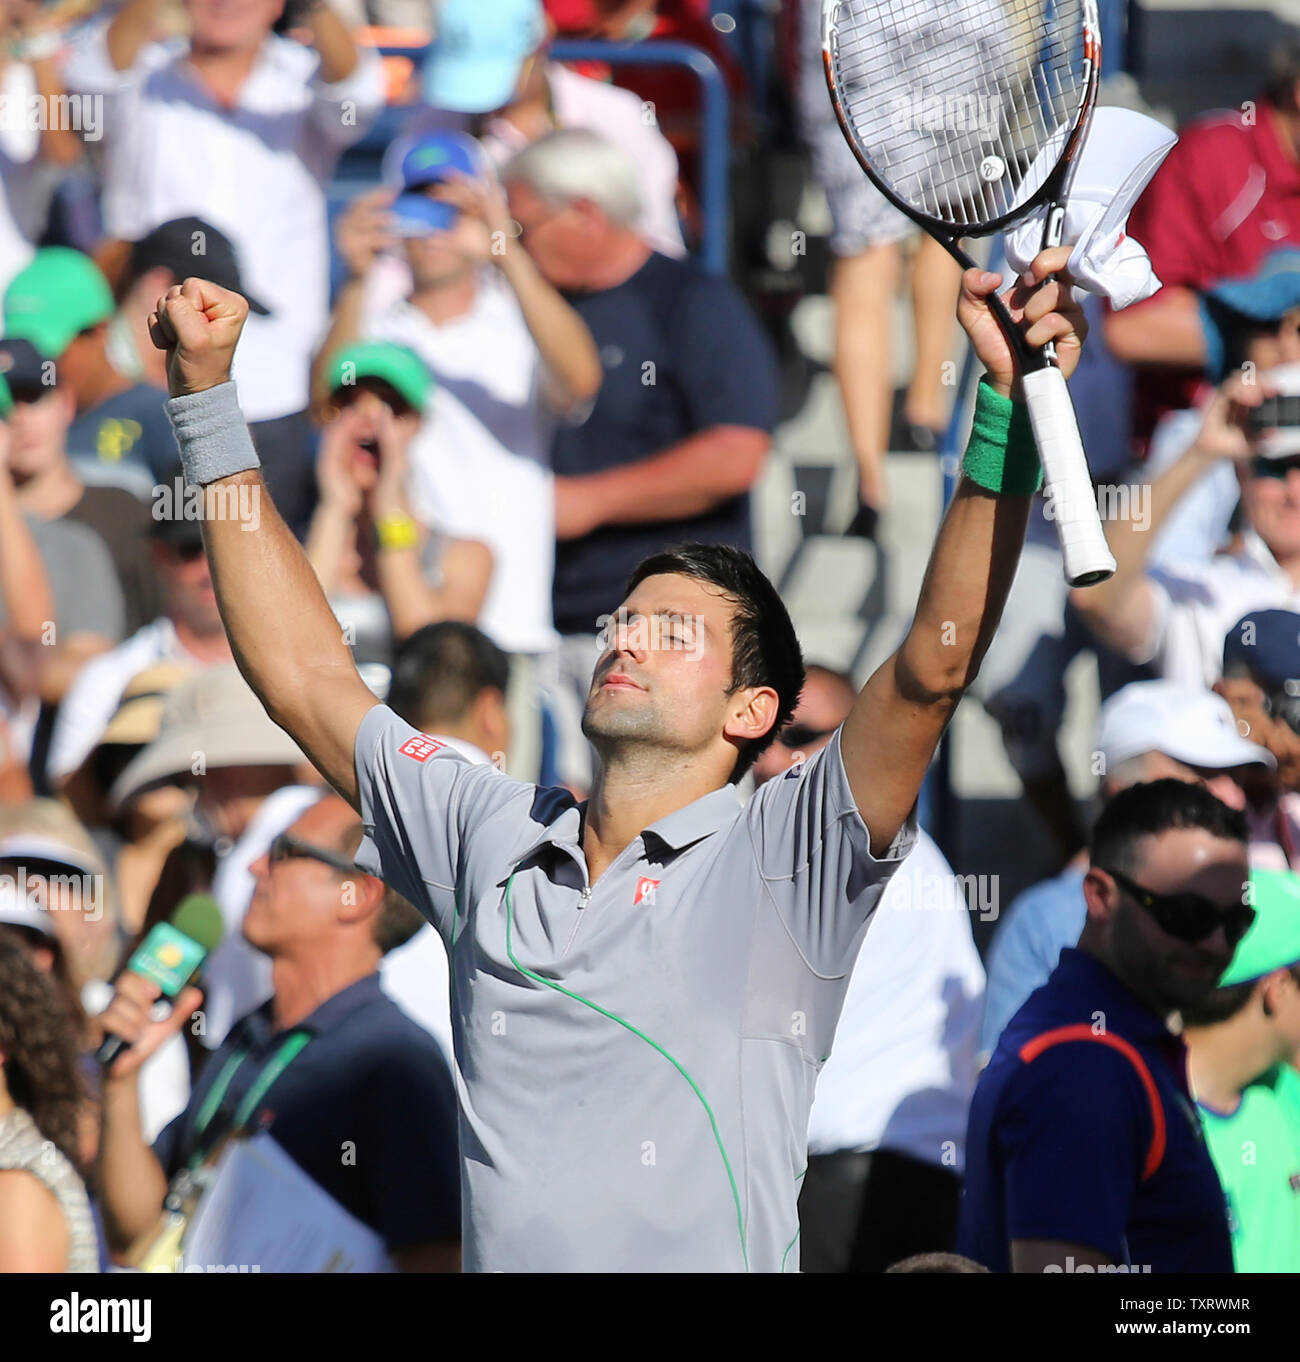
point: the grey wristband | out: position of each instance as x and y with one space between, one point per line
211 434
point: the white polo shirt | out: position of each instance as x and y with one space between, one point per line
257 172
23 196
1195 606
904 1061
479 462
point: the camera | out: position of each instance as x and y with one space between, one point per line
1275 423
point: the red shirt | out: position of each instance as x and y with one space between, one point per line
1226 196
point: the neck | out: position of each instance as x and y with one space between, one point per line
447 299
223 70
51 494
205 647
631 791
626 255
1224 1059
1091 945
7 1103
302 985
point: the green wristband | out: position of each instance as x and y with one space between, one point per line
1001 455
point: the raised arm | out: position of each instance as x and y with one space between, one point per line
282 631
893 729
1121 611
134 26
571 365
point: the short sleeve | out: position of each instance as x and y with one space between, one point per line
420 799
814 856
412 1152
1072 1130
725 364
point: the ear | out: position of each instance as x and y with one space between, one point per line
1273 990
1100 895
753 714
360 898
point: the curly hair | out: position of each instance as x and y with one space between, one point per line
38 1039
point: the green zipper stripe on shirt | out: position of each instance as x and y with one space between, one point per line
654 1045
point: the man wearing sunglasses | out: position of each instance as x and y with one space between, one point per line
1083 1150
327 1064
1170 604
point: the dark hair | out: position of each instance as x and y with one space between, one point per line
397 921
1283 74
441 669
937 1262
764 647
1219 1005
38 1037
1157 806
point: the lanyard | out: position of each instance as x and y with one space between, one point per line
277 1064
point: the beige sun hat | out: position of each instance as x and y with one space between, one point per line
214 717
139 715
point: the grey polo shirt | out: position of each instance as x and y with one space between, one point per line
635 1060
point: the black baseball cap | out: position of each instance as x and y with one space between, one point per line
172 245
24 370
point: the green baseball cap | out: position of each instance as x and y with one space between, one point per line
6 399
1273 941
395 365
59 295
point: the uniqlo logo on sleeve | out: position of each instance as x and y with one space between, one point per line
421 748
645 891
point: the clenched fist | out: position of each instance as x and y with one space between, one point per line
197 324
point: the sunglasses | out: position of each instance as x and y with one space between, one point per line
285 848
1189 917
1273 468
803 735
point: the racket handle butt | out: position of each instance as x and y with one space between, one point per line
1071 498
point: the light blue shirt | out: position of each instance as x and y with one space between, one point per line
1040 924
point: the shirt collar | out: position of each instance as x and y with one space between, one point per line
1259 553
1124 1013
697 820
329 1016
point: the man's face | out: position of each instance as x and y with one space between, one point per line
1272 504
227 25
562 239
1166 970
190 592
440 258
662 679
296 900
824 704
38 426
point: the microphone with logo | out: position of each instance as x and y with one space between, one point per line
171 954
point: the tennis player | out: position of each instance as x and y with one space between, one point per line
645 985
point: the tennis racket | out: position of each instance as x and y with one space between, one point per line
969 115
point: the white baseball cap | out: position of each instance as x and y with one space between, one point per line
1194 726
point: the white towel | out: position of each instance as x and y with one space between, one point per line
1122 152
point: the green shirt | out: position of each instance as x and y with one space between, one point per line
1257 1152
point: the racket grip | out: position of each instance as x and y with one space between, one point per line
1071 500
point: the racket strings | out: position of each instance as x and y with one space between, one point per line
960 109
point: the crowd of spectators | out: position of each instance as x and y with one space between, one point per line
484 390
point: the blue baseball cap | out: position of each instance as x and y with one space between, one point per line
429 159
1266 643
1265 296
478 51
